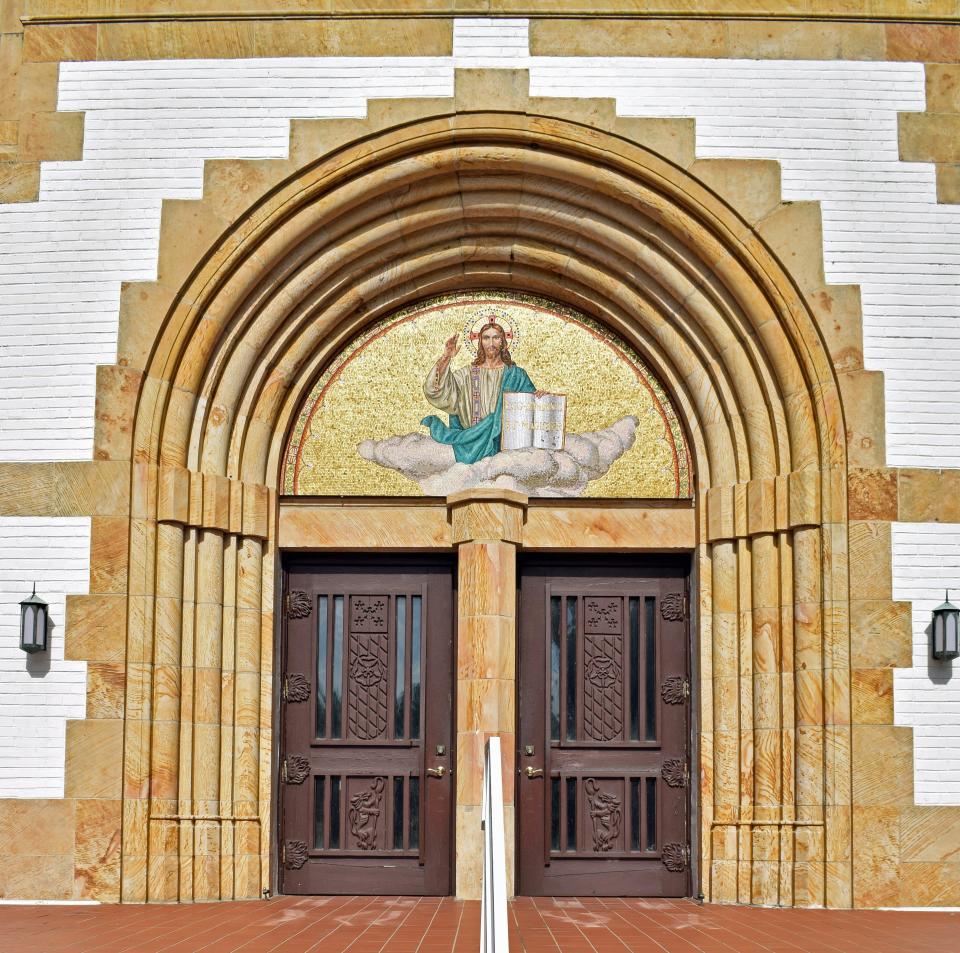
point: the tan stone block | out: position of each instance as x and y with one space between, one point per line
881 634
469 852
477 519
929 495
95 759
929 885
876 856
673 139
173 503
481 89
19 181
804 496
870 560
222 39
38 88
117 392
882 766
337 527
216 502
930 834
863 402
50 42
487 580
943 88
752 187
795 234
55 135
10 13
65 488
30 827
948 183
97 851
486 648
837 311
873 494
109 538
45 877
363 36
768 39
923 42
485 704
626 37
96 628
106 682
929 137
872 690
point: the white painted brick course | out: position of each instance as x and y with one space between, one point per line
149 127
38 693
926 562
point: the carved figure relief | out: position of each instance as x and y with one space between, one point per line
294 854
671 607
364 814
674 690
299 604
296 769
605 815
603 687
367 707
296 687
674 772
674 857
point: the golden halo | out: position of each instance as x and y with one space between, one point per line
492 314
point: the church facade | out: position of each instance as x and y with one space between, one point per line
379 380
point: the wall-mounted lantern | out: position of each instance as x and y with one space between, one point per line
946 630
33 623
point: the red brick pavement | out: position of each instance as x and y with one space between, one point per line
410 925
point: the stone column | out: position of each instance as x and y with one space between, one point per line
487 527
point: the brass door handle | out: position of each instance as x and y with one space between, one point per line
534 772
437 772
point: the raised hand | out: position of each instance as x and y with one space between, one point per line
451 348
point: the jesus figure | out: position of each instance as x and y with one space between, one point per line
473 395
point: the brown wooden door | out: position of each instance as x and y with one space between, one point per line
366 757
603 714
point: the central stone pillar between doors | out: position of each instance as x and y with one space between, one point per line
487 529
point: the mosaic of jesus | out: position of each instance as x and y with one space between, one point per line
525 394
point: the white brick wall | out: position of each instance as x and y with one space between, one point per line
150 125
38 693
926 561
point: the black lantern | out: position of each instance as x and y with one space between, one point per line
33 623
946 630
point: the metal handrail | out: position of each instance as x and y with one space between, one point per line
493 903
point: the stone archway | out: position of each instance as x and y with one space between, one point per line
281 263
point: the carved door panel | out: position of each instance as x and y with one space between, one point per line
603 714
366 759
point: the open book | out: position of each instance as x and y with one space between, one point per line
530 421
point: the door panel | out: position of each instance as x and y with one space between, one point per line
366 759
603 702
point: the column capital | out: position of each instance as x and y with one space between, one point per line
492 514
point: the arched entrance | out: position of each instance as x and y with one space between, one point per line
280 266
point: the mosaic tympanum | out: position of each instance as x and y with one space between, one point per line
493 363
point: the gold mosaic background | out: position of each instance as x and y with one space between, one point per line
373 390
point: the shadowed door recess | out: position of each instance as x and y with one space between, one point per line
603 759
366 762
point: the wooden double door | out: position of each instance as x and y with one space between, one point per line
366 788
366 761
603 703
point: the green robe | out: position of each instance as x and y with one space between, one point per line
474 394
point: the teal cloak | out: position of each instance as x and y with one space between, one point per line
471 444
